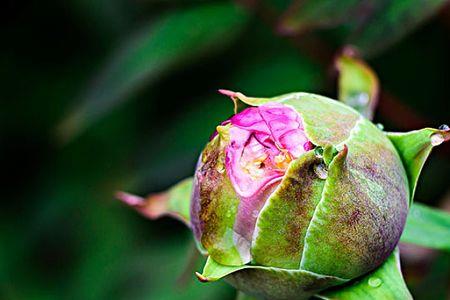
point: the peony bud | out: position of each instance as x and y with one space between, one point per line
300 191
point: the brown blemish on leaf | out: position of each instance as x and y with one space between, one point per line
201 278
218 203
354 217
210 182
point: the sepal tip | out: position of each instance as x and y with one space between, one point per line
152 207
201 278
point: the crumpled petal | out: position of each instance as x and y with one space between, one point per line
263 141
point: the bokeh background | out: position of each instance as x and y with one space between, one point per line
107 95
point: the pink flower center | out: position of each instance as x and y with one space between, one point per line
263 142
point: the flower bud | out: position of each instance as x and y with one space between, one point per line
302 185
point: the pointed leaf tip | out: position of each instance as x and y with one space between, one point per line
175 202
227 92
440 136
129 199
201 278
233 96
251 101
414 147
152 207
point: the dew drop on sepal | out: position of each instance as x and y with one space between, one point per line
318 152
321 171
375 282
436 139
444 127
359 99
380 126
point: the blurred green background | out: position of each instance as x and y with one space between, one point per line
99 96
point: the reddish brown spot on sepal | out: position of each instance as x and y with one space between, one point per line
201 278
342 155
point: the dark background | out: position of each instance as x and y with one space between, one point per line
84 115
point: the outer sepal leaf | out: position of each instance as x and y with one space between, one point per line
213 271
414 148
268 282
281 222
358 84
386 282
174 202
427 227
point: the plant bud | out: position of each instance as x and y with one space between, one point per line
304 190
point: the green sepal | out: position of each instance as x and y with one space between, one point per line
174 202
366 185
414 148
213 271
386 283
427 227
358 84
329 152
268 282
219 203
282 223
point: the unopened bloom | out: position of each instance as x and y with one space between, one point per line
305 185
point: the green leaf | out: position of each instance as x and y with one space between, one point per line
369 25
391 22
96 16
174 202
358 84
317 14
386 283
414 148
175 40
427 227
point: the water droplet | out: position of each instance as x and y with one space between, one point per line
318 152
436 139
444 127
380 126
375 282
362 99
321 171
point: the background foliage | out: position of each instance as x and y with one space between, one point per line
99 96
